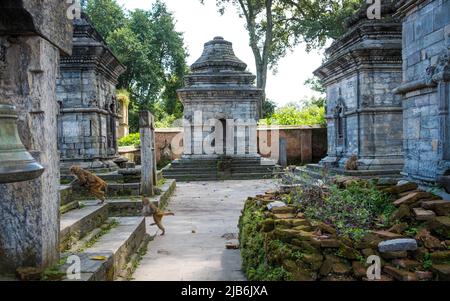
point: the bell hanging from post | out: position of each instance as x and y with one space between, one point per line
16 163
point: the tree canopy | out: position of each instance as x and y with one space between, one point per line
147 43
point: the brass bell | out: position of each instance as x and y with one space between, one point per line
16 163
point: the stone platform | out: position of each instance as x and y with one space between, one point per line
221 168
317 171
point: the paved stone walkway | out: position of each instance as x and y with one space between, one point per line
193 248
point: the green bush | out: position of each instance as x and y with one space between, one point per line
130 140
255 248
293 115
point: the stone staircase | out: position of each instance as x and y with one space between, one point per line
214 169
107 238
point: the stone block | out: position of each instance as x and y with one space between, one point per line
399 274
397 245
441 207
441 226
423 215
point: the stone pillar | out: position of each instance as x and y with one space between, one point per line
32 34
148 179
123 128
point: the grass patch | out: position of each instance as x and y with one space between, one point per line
352 210
54 272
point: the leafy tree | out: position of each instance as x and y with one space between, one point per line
268 108
315 84
147 43
106 15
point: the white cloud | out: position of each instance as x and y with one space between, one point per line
200 23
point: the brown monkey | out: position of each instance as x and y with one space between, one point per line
93 183
148 208
352 163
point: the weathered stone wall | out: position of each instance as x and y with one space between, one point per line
364 116
83 123
425 87
29 211
32 35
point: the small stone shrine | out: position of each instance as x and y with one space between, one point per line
221 110
88 118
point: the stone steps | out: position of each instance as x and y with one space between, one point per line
214 177
236 168
65 192
86 232
133 207
75 224
116 247
214 168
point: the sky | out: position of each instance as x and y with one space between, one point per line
201 23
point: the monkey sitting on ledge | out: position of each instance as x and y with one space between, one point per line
148 208
352 163
93 183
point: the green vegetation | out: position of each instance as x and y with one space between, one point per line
294 115
411 232
136 259
130 140
427 262
147 43
254 250
352 211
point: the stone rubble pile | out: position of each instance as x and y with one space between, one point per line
416 247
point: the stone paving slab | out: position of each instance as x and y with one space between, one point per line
193 248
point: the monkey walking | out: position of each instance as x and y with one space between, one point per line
148 208
93 183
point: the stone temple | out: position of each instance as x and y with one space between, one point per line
364 115
88 119
221 110
388 94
